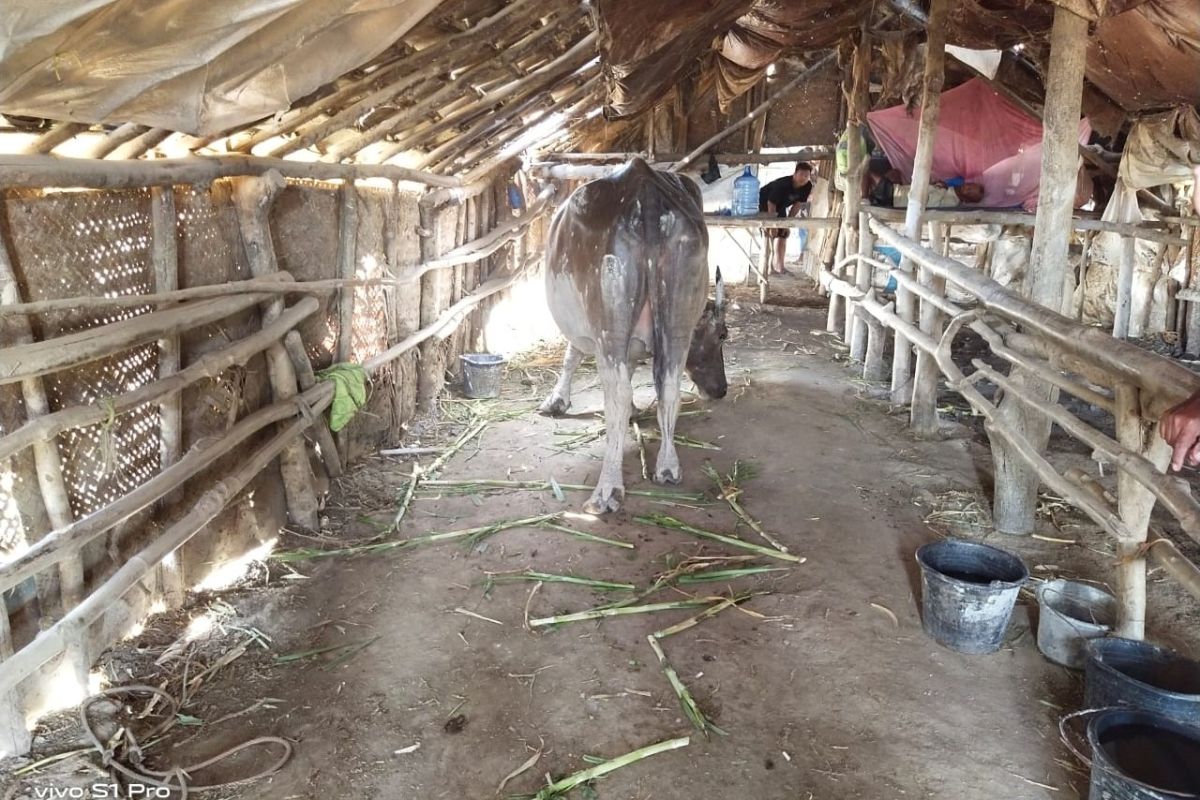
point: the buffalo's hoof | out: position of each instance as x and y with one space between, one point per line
605 501
554 406
668 476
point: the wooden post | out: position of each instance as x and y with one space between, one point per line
435 293
15 737
924 418
857 104
862 282
1135 503
253 198
347 247
165 256
923 412
54 494
1080 293
1124 288
1015 501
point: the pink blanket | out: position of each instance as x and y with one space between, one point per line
981 136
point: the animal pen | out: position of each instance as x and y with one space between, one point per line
222 227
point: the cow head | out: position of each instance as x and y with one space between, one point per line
706 357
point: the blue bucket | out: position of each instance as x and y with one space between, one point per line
481 375
968 593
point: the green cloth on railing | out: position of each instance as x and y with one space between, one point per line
349 392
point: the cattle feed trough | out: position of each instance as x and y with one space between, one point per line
280 217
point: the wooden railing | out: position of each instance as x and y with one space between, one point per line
1041 347
298 400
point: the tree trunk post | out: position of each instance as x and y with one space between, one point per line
918 194
923 413
862 281
856 106
1135 503
165 256
253 198
1016 483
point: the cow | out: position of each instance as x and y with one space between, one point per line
627 278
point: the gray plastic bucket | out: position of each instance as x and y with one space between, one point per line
1125 672
1137 755
481 374
1071 614
968 593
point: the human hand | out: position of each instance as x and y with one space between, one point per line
1180 428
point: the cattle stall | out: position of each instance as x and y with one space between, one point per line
270 526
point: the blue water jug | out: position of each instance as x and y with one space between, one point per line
745 195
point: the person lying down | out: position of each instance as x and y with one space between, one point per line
883 187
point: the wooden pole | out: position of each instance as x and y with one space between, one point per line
165 256
347 262
1080 293
784 90
924 418
435 293
857 105
1015 500
55 497
34 359
77 416
253 198
923 412
43 171
1124 303
53 641
1135 503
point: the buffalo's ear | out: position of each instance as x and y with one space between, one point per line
720 291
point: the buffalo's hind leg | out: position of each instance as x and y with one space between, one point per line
667 468
618 402
560 396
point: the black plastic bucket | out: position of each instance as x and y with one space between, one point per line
1137 755
968 593
1125 672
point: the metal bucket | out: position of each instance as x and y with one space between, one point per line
1071 614
968 593
481 374
1137 755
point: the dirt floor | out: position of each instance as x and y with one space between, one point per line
823 682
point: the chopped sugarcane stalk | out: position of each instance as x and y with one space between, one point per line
473 534
548 577
590 537
408 496
688 703
684 441
477 485
711 611
608 611
641 443
561 787
714 575
730 493
664 521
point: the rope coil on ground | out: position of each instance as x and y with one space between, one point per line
175 778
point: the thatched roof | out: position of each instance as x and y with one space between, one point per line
449 85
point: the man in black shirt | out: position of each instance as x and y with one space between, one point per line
785 197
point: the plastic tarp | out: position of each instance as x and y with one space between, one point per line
981 136
197 66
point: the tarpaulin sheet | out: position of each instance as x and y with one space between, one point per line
1148 58
981 136
198 66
